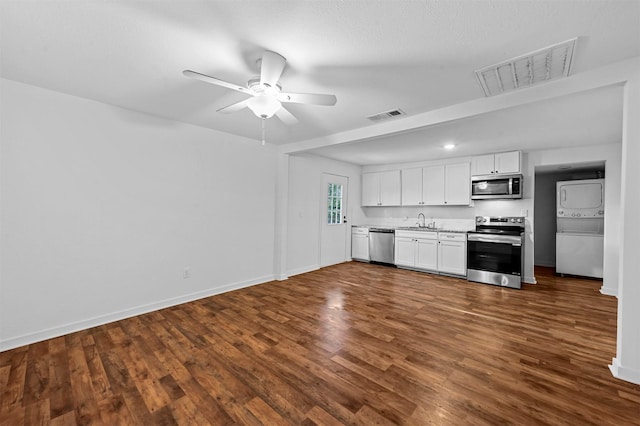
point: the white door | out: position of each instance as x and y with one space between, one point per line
333 219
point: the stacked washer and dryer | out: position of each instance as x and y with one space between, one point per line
580 227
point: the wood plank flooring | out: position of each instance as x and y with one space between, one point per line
349 344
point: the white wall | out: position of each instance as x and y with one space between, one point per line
102 208
303 231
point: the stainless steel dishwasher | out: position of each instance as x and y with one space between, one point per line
381 245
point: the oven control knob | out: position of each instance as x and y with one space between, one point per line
578 215
519 220
512 220
560 212
478 219
600 212
573 215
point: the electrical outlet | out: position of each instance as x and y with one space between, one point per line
186 273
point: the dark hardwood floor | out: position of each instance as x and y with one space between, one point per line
349 344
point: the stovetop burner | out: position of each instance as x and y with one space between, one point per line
501 225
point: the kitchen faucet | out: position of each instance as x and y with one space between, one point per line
420 222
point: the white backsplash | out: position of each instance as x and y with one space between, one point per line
451 218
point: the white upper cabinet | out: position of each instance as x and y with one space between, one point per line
446 184
433 185
457 184
483 165
371 189
381 188
390 185
500 163
412 187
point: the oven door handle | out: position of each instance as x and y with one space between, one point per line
514 241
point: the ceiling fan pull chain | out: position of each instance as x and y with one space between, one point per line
263 132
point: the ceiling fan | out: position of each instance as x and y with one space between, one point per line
264 91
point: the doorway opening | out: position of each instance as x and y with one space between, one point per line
545 212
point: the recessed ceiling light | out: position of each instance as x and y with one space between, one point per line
449 146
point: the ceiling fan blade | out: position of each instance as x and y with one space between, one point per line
234 107
216 81
271 68
286 117
308 98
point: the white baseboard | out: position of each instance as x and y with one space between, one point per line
303 270
609 291
530 280
624 373
57 331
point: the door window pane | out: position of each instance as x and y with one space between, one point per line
334 204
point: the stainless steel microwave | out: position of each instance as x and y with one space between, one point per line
495 187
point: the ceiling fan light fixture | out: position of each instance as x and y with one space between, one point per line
264 106
265 92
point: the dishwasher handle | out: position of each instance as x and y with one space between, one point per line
383 230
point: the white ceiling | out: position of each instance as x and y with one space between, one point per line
586 118
374 55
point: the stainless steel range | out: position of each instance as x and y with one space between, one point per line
495 251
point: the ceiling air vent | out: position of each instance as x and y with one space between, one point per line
387 115
526 70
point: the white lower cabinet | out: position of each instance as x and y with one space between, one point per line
443 252
452 253
360 243
427 254
405 249
417 250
